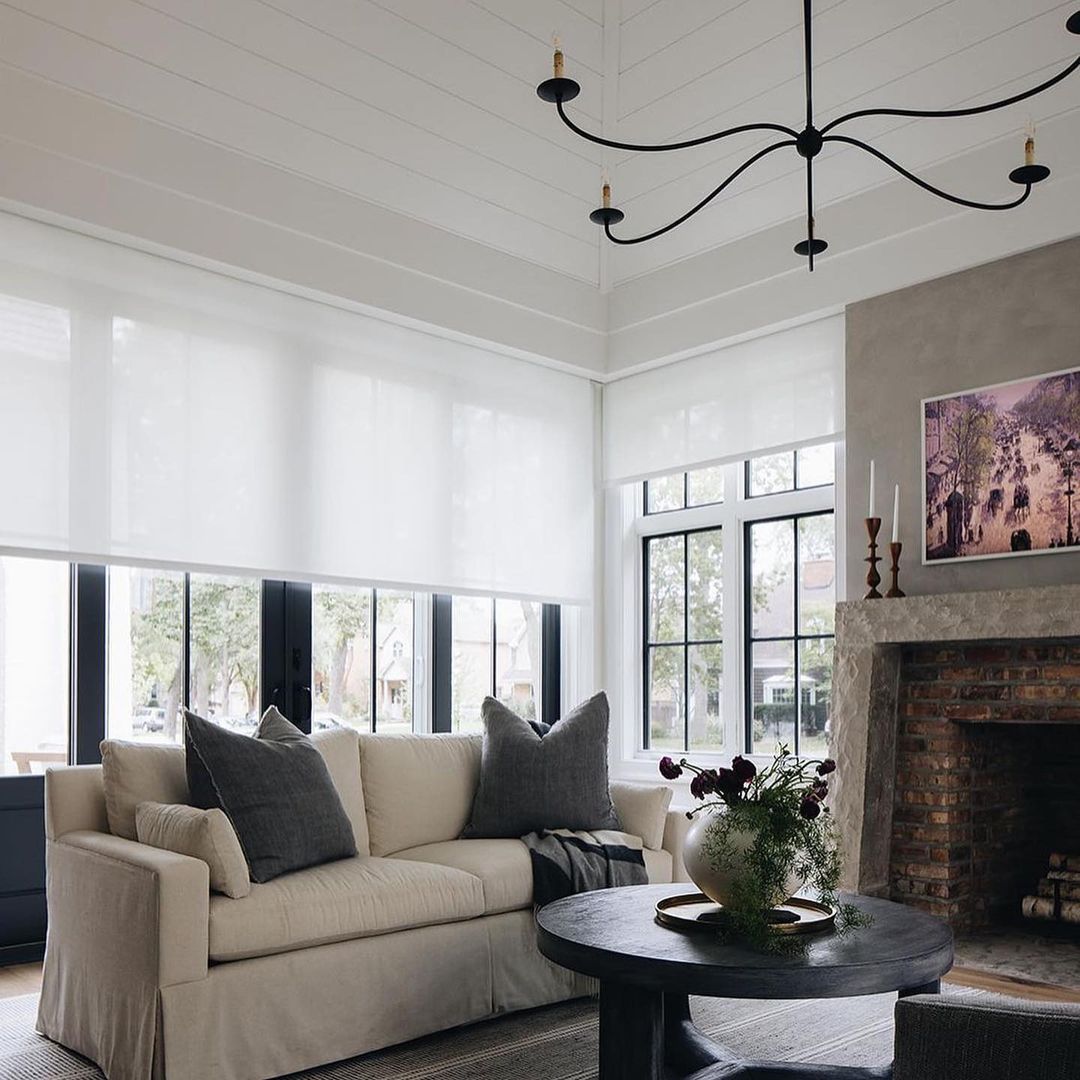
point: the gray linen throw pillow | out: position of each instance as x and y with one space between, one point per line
276 790
529 781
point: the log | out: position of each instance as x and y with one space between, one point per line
1066 890
1040 907
1060 861
1064 875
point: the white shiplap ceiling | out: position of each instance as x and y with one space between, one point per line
408 132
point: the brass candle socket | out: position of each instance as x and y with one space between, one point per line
873 578
894 588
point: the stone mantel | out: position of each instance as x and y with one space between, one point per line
866 670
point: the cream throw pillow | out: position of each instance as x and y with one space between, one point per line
202 834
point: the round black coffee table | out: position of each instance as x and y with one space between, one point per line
646 972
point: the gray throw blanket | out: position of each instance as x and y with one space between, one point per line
566 861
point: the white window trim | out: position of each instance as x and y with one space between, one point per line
626 525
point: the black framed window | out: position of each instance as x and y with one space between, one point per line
176 640
790 596
496 649
683 646
791 470
363 663
679 491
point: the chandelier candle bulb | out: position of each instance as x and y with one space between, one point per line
557 63
605 193
1029 150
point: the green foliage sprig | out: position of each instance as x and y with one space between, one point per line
783 808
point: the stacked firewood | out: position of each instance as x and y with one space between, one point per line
1058 896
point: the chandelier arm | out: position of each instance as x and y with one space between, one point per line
925 185
975 110
648 148
701 205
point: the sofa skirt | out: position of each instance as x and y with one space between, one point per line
271 1015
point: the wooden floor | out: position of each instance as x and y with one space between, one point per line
26 979
20 979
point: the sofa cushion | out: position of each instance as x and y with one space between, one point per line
135 772
530 782
202 834
337 901
642 809
276 789
503 867
418 789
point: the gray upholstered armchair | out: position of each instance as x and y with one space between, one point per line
946 1038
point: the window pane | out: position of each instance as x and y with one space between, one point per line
667 587
772 473
665 493
773 696
470 675
705 486
706 693
815 676
817 574
224 631
394 661
817 465
341 657
706 613
145 655
666 698
35 649
772 552
517 656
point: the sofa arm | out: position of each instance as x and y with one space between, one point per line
675 825
938 1038
129 903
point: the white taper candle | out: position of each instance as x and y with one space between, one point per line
871 513
896 514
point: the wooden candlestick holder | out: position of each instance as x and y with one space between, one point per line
873 578
894 589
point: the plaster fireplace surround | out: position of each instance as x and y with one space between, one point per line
916 682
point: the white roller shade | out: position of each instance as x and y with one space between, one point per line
153 412
770 393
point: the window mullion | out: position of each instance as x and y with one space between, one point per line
686 638
374 694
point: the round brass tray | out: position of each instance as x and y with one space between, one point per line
695 911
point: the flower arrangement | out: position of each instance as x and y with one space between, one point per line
764 834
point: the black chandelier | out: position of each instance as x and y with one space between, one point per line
809 143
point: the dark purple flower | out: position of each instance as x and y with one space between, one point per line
820 788
826 767
809 808
743 768
728 782
669 770
703 784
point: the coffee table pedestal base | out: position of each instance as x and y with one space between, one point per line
649 1035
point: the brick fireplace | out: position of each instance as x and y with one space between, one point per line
987 774
956 730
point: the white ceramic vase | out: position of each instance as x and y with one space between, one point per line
718 882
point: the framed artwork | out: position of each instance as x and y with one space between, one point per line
1000 466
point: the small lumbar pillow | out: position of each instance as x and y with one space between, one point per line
529 781
276 790
202 834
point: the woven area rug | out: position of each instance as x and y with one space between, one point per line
554 1043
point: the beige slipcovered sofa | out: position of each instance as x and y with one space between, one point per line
149 974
